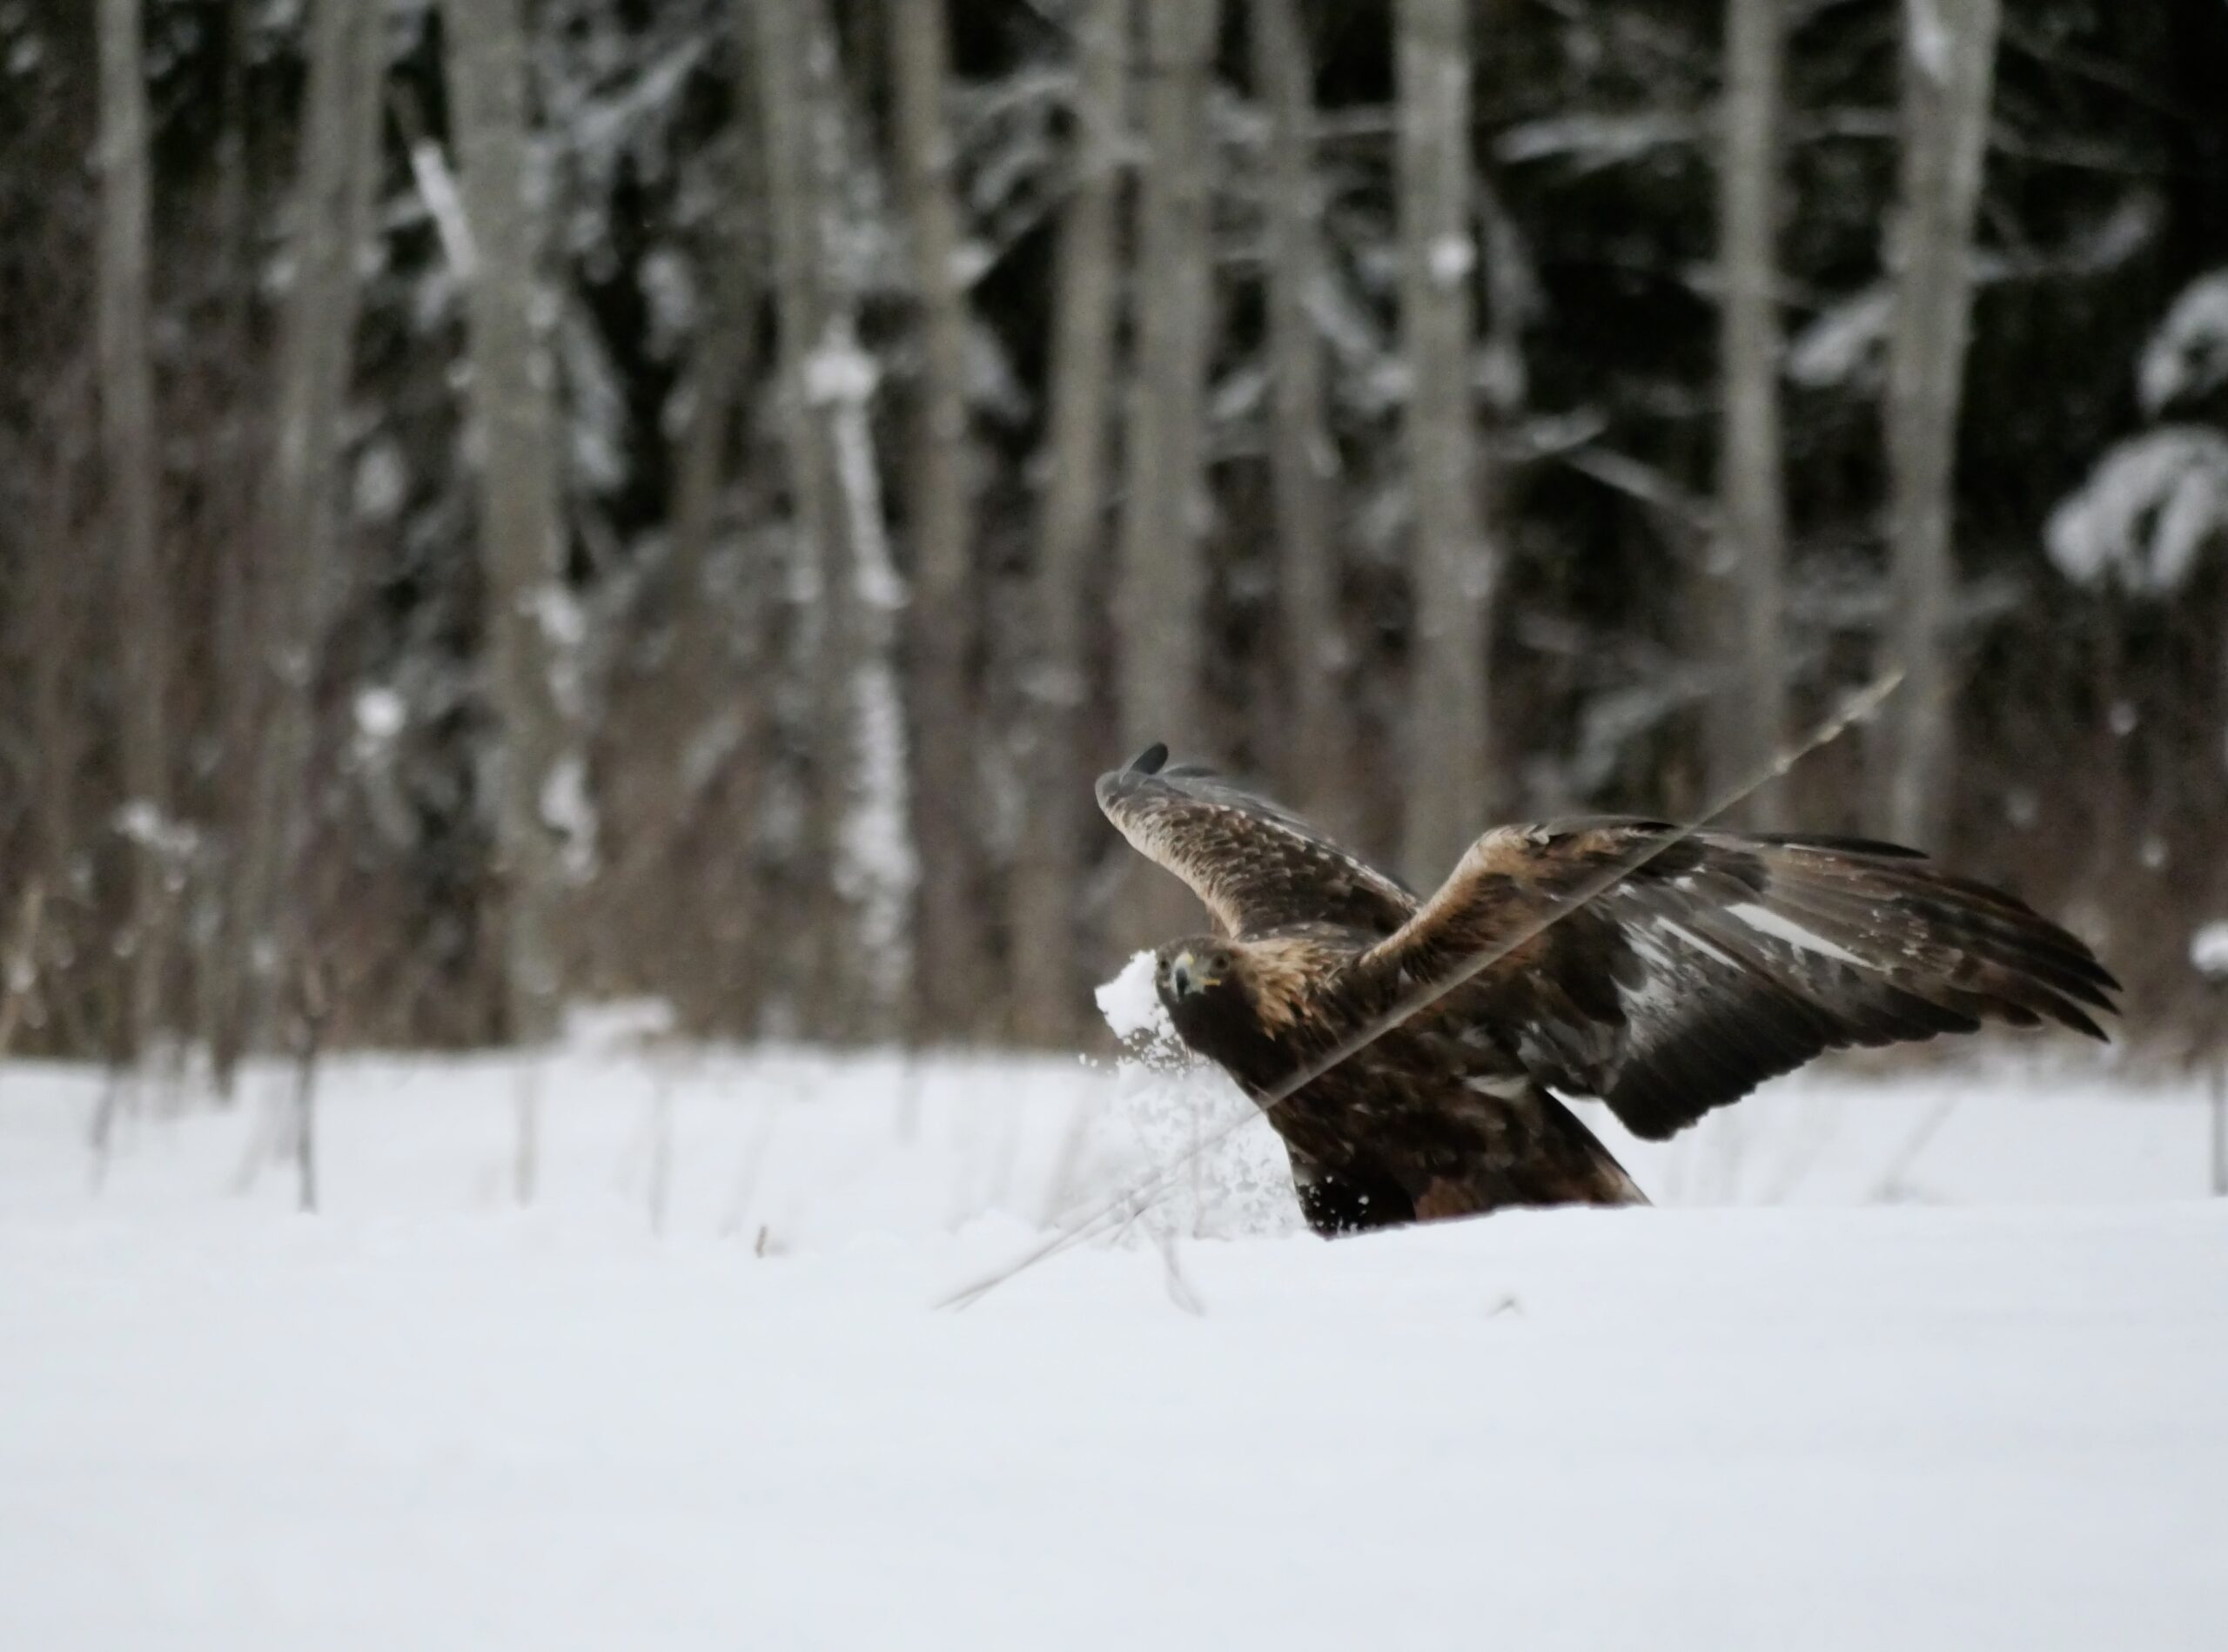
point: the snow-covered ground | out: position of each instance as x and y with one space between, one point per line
1936 1361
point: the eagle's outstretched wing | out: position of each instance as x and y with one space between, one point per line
1257 866
1725 960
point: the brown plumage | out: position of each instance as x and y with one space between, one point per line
1719 961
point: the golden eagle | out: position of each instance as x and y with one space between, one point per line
1715 962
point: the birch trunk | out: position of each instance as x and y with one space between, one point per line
1048 984
1303 462
132 478
293 545
952 950
520 533
1948 71
1160 593
858 840
1454 570
1743 581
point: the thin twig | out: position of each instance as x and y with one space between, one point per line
21 970
1856 709
314 1009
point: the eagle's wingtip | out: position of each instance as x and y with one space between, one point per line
1113 784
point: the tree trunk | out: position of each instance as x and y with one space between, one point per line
52 608
132 480
719 680
858 844
1160 595
521 536
1303 462
1454 566
1742 585
812 959
952 947
1949 69
293 543
1048 983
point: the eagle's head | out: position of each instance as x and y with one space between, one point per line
1226 1001
1196 971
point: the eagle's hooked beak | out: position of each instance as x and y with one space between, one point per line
1186 976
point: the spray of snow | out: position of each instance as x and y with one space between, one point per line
2152 503
1178 1123
2209 951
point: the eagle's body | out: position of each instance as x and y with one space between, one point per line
1667 973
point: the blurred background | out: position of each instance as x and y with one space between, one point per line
509 503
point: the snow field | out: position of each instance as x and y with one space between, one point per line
699 1392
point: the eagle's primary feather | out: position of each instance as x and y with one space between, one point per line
1717 961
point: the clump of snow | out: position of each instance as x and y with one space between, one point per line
437 188
840 371
595 403
2209 951
564 624
170 840
669 290
382 482
1929 40
1451 257
2152 503
2188 355
380 714
569 811
1595 140
1844 341
1131 1007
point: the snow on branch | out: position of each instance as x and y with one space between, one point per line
2152 503
2209 951
2188 355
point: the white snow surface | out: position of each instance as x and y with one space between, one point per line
1922 1360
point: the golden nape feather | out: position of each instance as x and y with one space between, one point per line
1667 973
